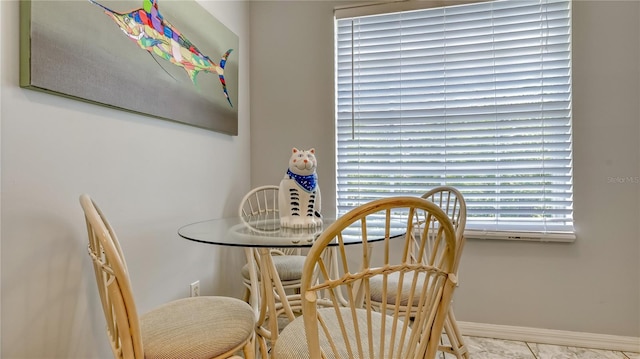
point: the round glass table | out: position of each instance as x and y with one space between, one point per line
257 232
257 235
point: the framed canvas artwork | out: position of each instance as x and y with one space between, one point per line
164 58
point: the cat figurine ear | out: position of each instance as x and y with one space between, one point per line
299 194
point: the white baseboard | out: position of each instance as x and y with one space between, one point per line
550 336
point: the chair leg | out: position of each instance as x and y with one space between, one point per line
249 350
458 347
262 347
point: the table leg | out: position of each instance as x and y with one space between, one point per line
253 278
272 285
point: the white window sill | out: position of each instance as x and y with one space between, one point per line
564 237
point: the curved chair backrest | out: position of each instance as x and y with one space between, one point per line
259 209
452 202
114 286
356 327
260 201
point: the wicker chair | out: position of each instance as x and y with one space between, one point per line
338 318
260 208
199 327
452 202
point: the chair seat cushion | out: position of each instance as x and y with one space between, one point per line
289 267
393 281
292 341
199 327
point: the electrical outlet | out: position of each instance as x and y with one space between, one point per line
195 289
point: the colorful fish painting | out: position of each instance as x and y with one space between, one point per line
148 28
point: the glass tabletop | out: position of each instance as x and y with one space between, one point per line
266 232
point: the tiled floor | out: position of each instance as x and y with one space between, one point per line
484 348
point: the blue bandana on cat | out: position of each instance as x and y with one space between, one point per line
308 183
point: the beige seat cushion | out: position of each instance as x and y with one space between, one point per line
392 284
289 267
199 327
292 342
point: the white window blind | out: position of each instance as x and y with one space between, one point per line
474 96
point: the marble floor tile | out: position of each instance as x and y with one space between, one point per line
485 348
545 351
481 348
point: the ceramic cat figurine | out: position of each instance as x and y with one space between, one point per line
299 194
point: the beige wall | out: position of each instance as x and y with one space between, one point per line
154 176
149 176
591 285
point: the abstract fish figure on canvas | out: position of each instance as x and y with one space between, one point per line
148 28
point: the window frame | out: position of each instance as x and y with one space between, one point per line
522 235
